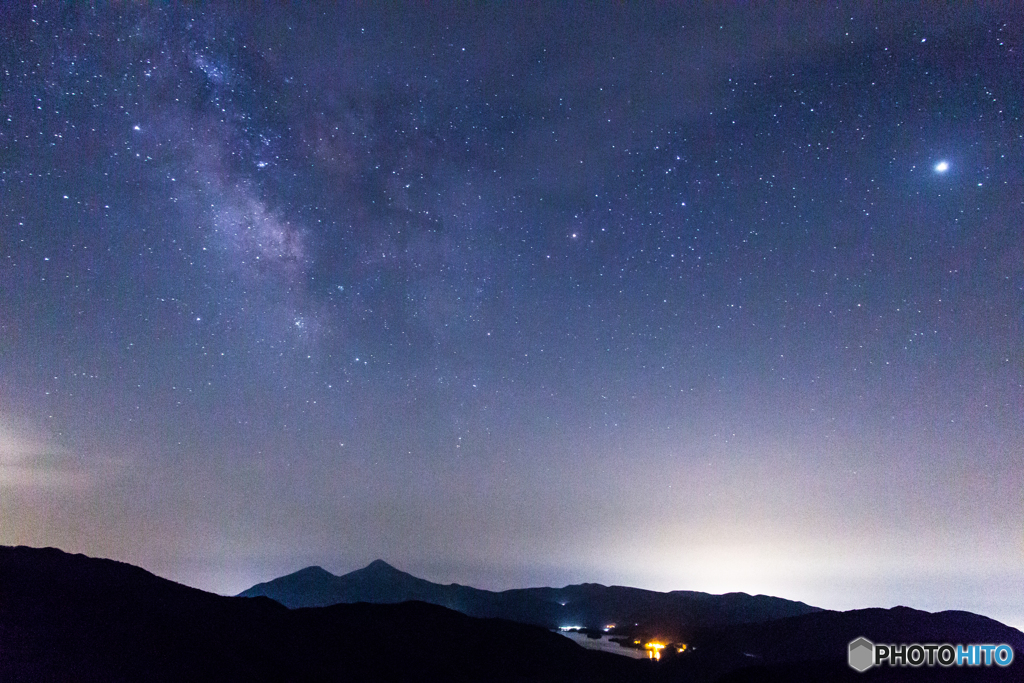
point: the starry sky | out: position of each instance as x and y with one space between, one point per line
523 294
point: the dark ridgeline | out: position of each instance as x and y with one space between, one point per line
72 618
812 647
674 615
734 636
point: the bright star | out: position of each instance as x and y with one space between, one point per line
942 167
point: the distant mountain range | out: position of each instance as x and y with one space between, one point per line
69 617
675 615
72 618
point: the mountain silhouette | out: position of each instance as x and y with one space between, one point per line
69 617
675 614
814 647
378 583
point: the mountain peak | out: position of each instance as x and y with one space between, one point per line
313 570
380 565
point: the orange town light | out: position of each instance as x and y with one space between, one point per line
654 649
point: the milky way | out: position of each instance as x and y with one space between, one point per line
700 299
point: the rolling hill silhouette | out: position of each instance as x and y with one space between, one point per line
674 615
813 647
72 618
69 617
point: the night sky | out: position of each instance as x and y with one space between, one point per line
520 294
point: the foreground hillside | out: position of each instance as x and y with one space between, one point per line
813 647
68 617
72 618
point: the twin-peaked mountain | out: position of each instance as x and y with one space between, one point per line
732 637
589 605
69 617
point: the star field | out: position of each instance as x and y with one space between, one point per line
674 298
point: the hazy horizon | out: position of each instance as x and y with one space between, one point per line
230 583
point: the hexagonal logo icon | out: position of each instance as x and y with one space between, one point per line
861 656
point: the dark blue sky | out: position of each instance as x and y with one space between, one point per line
676 298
